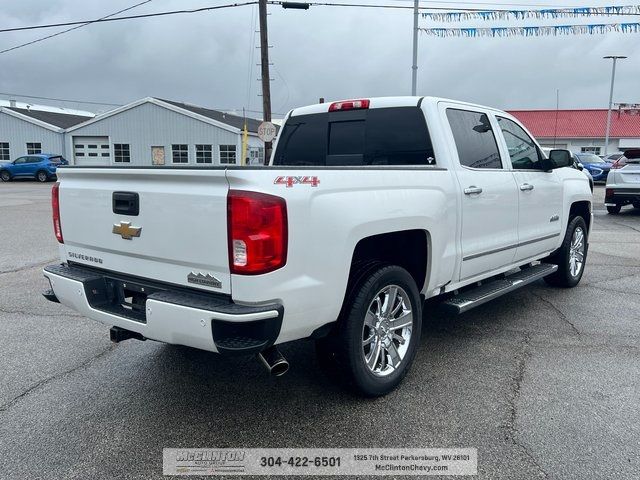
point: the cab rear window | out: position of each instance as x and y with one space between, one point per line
379 136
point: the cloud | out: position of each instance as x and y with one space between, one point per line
210 58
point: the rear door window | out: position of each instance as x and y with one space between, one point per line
379 136
474 138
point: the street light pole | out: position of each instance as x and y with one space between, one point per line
613 79
414 68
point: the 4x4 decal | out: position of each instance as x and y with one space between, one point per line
291 181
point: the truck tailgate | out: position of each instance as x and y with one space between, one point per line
182 219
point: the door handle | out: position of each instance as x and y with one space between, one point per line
472 189
526 186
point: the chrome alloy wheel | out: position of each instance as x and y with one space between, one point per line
387 330
576 252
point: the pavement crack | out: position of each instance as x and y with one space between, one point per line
27 267
612 290
45 381
35 314
624 277
557 310
514 395
628 226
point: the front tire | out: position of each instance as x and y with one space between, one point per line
378 333
5 176
42 176
614 210
571 257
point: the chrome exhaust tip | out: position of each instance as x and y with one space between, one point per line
274 362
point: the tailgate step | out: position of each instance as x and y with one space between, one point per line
471 298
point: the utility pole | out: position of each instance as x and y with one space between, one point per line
264 64
613 79
414 71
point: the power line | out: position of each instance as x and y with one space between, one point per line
456 9
93 102
243 4
129 17
498 4
88 102
72 28
272 2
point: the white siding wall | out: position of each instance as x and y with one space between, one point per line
575 144
18 133
149 125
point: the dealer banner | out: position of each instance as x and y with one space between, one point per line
320 461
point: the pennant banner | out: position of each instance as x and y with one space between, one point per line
524 14
541 31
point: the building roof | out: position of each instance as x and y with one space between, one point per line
62 120
232 120
227 121
578 123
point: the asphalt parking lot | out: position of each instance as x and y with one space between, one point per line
545 383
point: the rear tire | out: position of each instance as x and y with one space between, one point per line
614 210
571 257
42 176
377 335
5 176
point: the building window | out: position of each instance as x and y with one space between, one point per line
121 153
204 154
594 150
180 153
4 151
227 154
256 156
34 148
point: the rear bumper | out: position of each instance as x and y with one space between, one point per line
164 312
621 196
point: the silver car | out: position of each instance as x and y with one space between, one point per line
623 182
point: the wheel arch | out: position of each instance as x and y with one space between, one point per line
408 249
581 208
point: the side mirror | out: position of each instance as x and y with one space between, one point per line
559 158
580 166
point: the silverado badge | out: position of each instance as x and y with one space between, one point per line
126 231
206 280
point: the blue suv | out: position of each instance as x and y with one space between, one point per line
42 167
597 167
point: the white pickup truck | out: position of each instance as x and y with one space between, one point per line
368 208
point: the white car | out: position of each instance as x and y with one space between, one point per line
368 208
623 182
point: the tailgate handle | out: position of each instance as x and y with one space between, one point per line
126 203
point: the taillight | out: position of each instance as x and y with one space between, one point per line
619 163
55 208
349 105
257 230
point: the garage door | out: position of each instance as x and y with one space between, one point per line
91 151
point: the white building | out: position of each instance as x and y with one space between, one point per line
153 131
25 131
583 130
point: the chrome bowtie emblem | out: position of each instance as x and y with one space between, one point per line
126 231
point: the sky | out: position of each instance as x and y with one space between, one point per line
210 59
